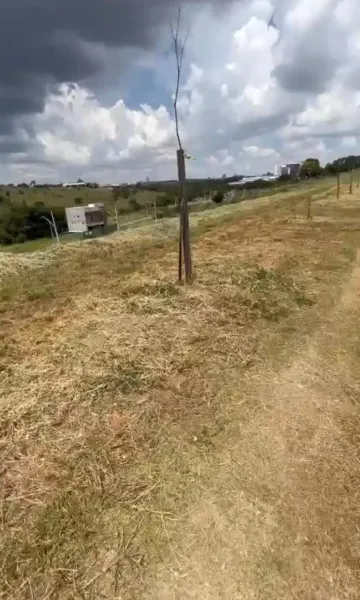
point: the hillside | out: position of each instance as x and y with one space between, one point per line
162 441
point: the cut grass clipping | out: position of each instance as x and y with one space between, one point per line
112 384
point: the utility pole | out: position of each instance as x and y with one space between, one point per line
184 237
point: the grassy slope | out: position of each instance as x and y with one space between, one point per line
133 219
62 197
65 197
146 449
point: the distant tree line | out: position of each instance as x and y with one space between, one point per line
20 222
311 166
343 165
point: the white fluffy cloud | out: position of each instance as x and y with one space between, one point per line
260 87
75 128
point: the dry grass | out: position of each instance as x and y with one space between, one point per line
125 398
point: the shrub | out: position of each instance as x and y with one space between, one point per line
164 200
78 200
134 204
20 238
218 197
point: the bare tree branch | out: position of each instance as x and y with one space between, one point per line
179 49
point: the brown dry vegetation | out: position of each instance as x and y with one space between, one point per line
168 442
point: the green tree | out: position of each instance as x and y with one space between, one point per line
125 192
343 164
134 204
218 197
310 168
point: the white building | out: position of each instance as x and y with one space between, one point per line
291 169
81 219
74 185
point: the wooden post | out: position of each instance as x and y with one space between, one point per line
117 217
351 183
184 244
309 207
338 186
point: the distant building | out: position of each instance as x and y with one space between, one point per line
252 178
74 185
291 170
81 219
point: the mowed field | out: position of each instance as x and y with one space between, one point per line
167 442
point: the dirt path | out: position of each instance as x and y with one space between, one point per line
281 517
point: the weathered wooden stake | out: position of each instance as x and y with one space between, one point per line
309 207
184 237
338 186
184 244
351 183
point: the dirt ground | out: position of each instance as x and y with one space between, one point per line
169 443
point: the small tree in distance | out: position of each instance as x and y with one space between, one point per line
310 168
218 197
134 204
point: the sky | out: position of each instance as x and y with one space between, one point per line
86 87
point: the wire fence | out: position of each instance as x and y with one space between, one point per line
151 215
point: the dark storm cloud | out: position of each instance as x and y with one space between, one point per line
50 41
9 146
309 61
306 76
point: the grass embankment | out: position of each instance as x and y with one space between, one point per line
146 449
146 217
